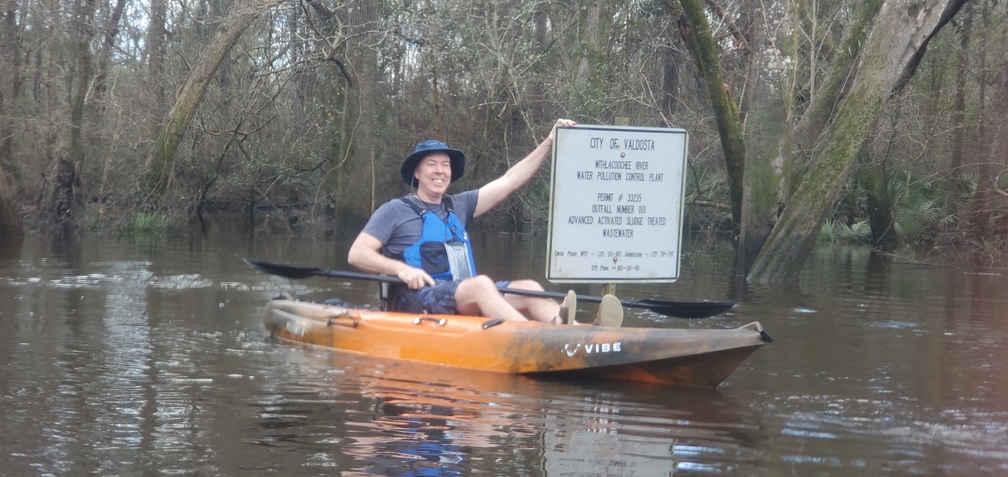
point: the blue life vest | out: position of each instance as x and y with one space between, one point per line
430 252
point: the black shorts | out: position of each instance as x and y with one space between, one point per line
436 300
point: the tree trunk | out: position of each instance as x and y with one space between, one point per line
156 50
696 33
63 201
892 50
85 31
767 136
959 105
357 145
986 199
587 83
10 87
670 83
109 33
10 226
984 39
880 206
823 104
189 95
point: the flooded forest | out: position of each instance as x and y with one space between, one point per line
810 122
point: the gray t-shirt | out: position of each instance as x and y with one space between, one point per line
397 226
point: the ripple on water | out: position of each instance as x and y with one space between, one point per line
131 367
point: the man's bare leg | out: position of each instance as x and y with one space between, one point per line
479 295
538 309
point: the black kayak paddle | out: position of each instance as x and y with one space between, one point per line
677 309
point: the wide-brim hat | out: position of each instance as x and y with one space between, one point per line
456 157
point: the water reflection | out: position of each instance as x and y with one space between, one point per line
396 418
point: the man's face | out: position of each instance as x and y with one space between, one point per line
433 173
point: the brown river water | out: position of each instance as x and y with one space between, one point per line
121 357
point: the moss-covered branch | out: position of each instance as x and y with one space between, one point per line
696 33
191 92
882 66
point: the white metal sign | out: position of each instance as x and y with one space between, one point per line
616 204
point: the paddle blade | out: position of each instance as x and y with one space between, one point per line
679 309
284 270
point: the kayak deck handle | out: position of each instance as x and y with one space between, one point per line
337 321
491 323
421 319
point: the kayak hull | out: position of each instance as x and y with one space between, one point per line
686 357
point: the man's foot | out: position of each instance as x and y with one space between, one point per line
568 308
610 312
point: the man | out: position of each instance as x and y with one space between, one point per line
421 239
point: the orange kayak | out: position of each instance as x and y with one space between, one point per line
687 357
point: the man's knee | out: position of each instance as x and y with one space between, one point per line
525 285
477 284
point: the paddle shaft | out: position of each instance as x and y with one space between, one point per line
669 308
318 272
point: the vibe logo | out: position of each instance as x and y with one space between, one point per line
593 348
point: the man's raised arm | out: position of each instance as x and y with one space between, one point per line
517 175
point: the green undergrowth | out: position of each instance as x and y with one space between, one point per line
147 224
